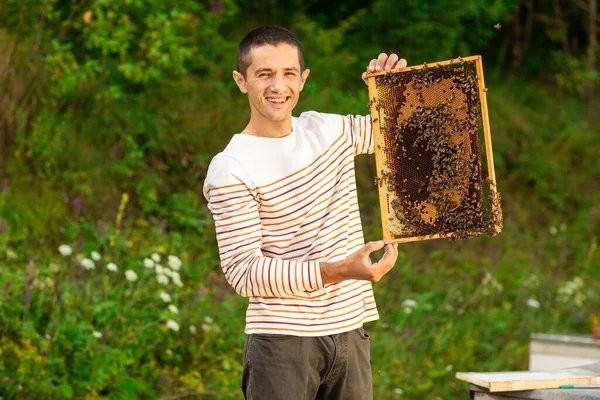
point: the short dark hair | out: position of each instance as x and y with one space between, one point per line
268 34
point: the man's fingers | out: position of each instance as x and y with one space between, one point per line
373 246
372 64
401 63
381 61
392 59
391 254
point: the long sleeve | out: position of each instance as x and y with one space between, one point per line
358 128
233 203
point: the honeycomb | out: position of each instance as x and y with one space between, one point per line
427 121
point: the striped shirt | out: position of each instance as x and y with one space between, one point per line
283 205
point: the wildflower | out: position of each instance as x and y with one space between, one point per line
148 263
176 278
169 352
159 269
131 275
65 250
409 305
54 267
50 282
88 264
563 227
173 309
178 282
553 230
174 262
97 334
491 281
449 367
165 297
572 292
155 257
531 282
209 320
167 272
533 303
10 254
193 329
162 279
96 256
398 391
112 267
173 325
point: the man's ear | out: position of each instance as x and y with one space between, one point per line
304 75
240 81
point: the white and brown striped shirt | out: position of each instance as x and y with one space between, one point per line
283 205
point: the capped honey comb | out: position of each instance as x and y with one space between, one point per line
428 121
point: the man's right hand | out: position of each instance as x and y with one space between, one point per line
358 265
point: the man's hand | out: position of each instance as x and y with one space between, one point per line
358 265
384 63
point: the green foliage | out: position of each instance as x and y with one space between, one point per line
135 98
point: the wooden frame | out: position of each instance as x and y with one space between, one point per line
388 236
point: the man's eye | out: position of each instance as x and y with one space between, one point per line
263 75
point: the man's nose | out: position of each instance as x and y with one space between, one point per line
278 84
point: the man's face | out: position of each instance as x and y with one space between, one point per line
273 82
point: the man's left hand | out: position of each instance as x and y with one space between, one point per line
384 63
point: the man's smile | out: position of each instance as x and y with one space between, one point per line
277 100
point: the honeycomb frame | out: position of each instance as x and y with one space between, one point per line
440 127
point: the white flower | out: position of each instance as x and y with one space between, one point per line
131 275
169 352
54 267
193 329
533 303
208 320
96 256
173 309
10 254
167 272
155 257
173 325
148 263
112 267
162 279
553 230
398 391
65 250
159 269
178 282
412 303
165 297
88 264
97 334
174 262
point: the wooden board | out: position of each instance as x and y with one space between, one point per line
529 380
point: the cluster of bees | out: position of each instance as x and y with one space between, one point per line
432 154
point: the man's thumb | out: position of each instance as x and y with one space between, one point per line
374 246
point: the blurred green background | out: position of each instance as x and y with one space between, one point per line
110 112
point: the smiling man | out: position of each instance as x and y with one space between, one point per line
283 197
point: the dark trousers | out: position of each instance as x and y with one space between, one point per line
284 367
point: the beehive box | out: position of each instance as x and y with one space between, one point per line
428 121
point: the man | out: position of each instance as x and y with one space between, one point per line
283 197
